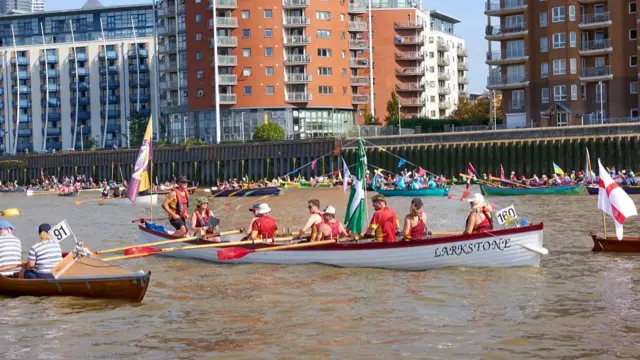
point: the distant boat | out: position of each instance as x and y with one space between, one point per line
491 190
629 189
415 193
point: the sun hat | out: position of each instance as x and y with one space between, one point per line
182 179
477 197
264 209
330 210
6 225
202 200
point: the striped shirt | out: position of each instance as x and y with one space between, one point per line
46 254
10 252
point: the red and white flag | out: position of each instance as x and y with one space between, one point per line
502 173
614 201
471 171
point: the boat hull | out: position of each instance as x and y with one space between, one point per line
143 200
415 193
629 189
554 190
612 244
502 248
247 192
73 193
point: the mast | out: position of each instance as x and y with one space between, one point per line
46 76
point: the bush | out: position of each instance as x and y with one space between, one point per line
269 131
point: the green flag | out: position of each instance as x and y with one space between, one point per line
355 217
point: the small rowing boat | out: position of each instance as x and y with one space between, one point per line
628 244
629 189
70 193
494 190
415 193
515 247
264 191
141 200
85 276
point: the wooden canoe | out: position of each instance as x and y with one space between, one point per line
247 192
82 277
628 244
415 193
70 193
490 190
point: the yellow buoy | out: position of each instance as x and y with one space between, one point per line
11 212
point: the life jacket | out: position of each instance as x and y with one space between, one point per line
418 231
181 204
335 230
202 220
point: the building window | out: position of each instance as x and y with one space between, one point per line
323 15
246 52
268 14
268 52
572 39
198 55
545 95
323 34
633 87
344 72
601 93
544 70
560 93
634 114
572 13
200 74
574 92
633 61
246 72
633 34
268 33
632 7
558 14
324 53
268 70
246 33
248 90
200 93
573 65
246 14
198 36
270 90
198 17
559 40
559 67
343 35
345 91
544 19
517 100
344 54
325 90
342 17
544 44
583 90
325 71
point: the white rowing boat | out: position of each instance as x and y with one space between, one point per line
515 247
141 200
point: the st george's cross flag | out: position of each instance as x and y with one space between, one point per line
614 201
471 171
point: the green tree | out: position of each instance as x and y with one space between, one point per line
369 119
392 110
474 112
269 131
137 127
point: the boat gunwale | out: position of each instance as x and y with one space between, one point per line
142 276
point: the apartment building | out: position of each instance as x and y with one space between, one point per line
72 78
21 6
564 62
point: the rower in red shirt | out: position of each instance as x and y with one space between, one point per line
264 227
384 224
329 228
415 224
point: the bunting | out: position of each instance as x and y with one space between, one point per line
401 162
313 164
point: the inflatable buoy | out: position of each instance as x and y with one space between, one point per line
11 212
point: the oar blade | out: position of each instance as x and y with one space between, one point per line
141 250
233 253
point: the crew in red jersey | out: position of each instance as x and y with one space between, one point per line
415 224
329 228
176 204
384 223
480 218
264 227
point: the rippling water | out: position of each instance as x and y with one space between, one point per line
578 304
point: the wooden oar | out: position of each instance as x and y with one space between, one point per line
32 193
235 253
445 233
185 239
9 267
511 182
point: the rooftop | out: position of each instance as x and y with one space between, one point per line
88 7
443 16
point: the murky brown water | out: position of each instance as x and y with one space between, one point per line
578 304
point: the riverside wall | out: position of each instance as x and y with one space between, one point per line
524 151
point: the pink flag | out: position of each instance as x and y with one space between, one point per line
450 196
465 195
313 163
614 201
501 173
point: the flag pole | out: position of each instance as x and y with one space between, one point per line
151 184
604 225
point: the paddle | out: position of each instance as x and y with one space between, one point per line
9 267
32 193
235 253
511 182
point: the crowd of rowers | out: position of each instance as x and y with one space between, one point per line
321 224
43 256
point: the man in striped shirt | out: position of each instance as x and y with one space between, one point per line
10 248
43 256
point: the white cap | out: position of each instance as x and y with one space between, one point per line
264 209
477 197
330 210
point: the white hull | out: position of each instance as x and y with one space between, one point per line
505 249
145 200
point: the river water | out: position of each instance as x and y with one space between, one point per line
578 304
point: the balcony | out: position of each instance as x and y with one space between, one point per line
509 57
112 85
82 71
443 46
358 63
595 21
111 114
22 74
409 56
111 128
507 82
225 60
113 99
357 8
296 40
298 97
110 55
54 145
110 70
82 57
291 78
82 101
463 94
227 99
49 59
409 71
444 90
112 142
169 84
442 61
144 112
82 130
463 66
595 74
168 66
21 60
24 119
409 40
225 41
53 102
169 48
295 4
24 103
463 80
25 132
296 21
444 76
52 116
167 30
24 89
134 68
225 80
506 32
224 23
596 47
444 105
409 87
407 25
359 81
143 97
224 4
359 99
137 53
358 45
414 102
171 103
462 52
135 82
505 7
357 26
52 131
297 59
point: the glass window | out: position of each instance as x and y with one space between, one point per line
270 90
323 15
544 19
544 70
268 51
558 15
198 17
545 95
199 55
246 72
246 33
246 52
544 44
325 90
325 71
246 14
560 93
200 74
268 70
198 36
559 67
200 93
323 34
559 40
268 14
268 33
248 90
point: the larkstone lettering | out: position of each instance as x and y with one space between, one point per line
468 249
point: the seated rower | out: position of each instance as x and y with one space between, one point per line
329 228
415 224
176 205
201 221
480 218
315 218
254 211
43 256
10 248
264 227
384 223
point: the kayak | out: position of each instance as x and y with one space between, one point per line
415 193
514 247
492 190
